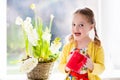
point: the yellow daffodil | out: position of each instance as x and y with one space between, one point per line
32 6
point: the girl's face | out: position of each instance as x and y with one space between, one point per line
80 26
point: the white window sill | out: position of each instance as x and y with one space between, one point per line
111 74
58 76
107 75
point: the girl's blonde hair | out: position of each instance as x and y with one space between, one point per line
88 13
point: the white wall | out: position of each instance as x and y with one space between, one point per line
110 26
2 39
110 29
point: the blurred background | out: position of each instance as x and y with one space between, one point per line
107 19
61 9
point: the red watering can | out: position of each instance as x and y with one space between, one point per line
76 61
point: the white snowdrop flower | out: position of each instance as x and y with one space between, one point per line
28 65
33 37
27 26
46 35
19 21
51 16
28 20
55 47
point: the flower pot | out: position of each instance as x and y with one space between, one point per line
41 71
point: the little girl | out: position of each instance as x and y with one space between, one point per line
82 23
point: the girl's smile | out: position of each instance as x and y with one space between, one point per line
77 34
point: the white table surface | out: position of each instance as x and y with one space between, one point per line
60 76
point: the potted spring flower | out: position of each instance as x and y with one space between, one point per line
41 52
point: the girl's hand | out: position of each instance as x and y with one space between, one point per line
67 69
89 64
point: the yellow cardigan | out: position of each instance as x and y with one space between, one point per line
95 52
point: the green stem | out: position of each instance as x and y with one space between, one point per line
26 42
50 25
